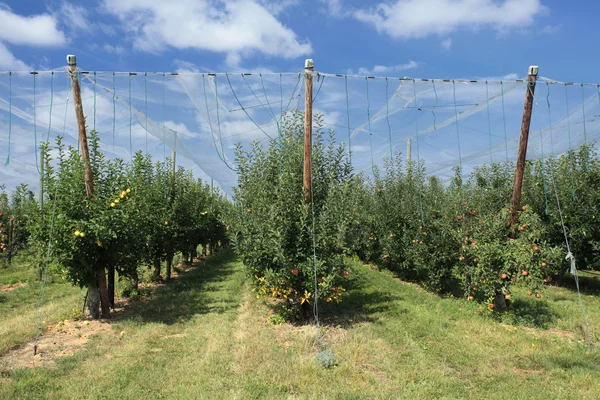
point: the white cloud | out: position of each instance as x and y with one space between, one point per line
233 27
417 19
382 69
74 16
277 7
447 44
550 29
35 30
334 8
108 48
9 62
117 49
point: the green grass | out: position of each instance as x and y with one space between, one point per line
18 307
206 336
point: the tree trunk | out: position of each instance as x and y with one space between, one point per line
169 264
92 303
306 310
194 253
500 302
103 293
111 287
135 280
156 273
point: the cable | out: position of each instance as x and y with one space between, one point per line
418 158
571 259
164 133
458 139
387 117
583 110
320 85
45 273
570 150
504 123
436 103
243 109
487 100
94 101
51 100
35 125
9 117
114 109
130 121
146 107
348 117
369 124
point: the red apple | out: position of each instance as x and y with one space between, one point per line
295 271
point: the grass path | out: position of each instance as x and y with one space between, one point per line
205 336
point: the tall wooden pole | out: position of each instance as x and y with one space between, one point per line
88 175
516 198
308 71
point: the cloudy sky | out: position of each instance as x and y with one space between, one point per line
433 38
455 39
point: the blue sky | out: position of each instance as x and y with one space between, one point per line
445 38
456 39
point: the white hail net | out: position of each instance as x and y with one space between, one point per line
202 116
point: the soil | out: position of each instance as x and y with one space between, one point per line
68 337
10 288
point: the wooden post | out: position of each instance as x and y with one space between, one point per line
88 175
516 198
308 71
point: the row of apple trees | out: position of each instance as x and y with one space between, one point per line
447 235
14 217
140 214
456 235
293 249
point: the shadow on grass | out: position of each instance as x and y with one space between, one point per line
191 294
589 283
361 303
2 299
533 314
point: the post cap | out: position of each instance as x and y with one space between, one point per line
309 63
71 59
533 70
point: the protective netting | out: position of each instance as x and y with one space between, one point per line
202 116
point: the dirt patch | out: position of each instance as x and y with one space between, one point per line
175 336
67 337
61 340
527 373
10 288
552 332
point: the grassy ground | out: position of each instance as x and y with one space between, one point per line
206 336
18 311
